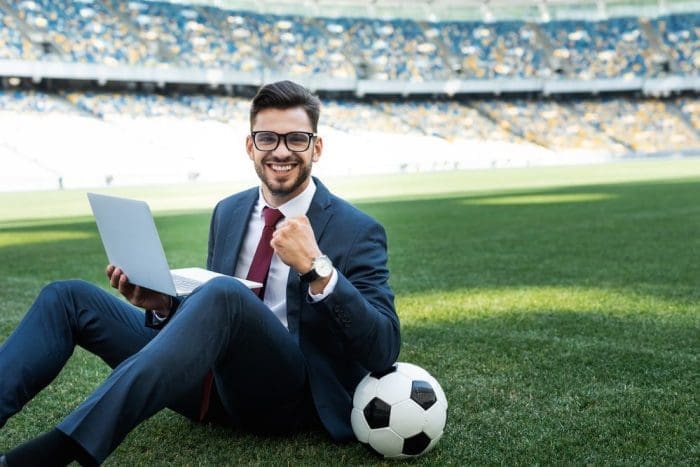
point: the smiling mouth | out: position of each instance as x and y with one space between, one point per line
281 168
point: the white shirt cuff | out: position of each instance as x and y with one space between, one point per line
158 318
330 287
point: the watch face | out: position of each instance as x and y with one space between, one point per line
323 266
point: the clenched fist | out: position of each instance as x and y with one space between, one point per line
295 244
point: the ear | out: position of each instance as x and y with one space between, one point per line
318 149
249 147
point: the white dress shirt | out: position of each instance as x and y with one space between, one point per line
276 288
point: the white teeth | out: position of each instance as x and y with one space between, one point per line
281 168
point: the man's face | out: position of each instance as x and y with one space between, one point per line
284 173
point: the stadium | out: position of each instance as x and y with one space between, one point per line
456 80
565 134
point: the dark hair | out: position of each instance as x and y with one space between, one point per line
286 95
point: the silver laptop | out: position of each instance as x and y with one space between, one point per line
131 241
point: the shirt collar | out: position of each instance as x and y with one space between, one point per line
297 206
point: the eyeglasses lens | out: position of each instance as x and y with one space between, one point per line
295 141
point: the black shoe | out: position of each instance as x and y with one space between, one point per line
3 461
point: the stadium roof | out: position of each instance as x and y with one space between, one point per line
481 10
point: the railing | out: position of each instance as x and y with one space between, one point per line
40 70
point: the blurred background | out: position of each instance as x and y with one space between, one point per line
97 93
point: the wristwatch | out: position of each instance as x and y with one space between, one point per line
320 267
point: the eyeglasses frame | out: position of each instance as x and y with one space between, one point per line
281 137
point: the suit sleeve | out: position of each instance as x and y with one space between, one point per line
212 235
362 304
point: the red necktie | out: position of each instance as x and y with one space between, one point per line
263 254
258 272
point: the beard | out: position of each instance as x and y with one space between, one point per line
285 188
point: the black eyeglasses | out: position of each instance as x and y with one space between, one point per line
296 141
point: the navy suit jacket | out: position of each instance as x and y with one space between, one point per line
351 332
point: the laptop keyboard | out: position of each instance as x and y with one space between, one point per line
185 284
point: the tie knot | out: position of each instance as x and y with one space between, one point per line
272 216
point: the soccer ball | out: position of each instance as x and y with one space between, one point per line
400 412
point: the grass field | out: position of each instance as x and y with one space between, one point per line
559 309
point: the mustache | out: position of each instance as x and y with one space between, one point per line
281 160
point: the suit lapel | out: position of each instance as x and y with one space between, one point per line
319 214
238 224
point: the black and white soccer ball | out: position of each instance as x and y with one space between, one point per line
400 412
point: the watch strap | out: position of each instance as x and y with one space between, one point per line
309 276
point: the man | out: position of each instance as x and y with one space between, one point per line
277 365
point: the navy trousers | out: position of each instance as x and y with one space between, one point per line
259 371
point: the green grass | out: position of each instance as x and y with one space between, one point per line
557 307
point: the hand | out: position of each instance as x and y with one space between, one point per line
138 296
295 243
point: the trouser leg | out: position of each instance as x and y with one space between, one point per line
212 325
65 314
262 381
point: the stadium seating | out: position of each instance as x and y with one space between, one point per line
690 111
555 125
612 125
395 49
157 33
79 32
194 107
12 44
35 102
446 131
306 46
601 49
644 126
681 33
498 50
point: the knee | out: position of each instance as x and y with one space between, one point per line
65 289
226 294
224 287
63 296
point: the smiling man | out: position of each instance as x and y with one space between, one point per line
279 359
289 156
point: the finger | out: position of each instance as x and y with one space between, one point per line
121 281
292 221
275 243
124 286
301 220
286 229
121 275
292 229
114 278
109 270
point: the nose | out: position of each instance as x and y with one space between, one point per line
281 149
